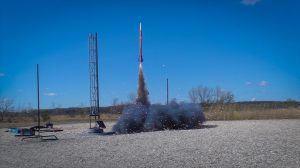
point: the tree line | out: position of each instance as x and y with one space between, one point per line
205 95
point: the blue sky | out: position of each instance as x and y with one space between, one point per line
249 47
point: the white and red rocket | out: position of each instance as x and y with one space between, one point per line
141 44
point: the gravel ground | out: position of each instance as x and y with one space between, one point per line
263 143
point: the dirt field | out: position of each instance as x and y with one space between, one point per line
253 143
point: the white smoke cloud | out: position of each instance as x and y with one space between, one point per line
249 2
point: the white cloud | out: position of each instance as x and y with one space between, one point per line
50 94
249 2
2 74
248 83
253 99
263 83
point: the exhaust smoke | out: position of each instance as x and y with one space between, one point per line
142 90
142 116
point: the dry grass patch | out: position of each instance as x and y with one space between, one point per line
287 113
56 119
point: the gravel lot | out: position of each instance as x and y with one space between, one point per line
263 143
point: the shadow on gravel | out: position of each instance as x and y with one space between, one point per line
108 133
201 127
208 126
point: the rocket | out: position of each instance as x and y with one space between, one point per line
141 45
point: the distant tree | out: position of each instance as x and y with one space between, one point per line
291 103
33 115
6 105
205 95
81 110
114 106
132 98
31 112
223 96
200 94
194 95
228 97
115 101
290 100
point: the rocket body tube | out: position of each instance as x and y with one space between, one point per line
141 44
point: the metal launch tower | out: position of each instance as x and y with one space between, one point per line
94 81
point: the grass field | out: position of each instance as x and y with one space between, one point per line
56 119
285 113
212 114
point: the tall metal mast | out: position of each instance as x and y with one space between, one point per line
38 96
38 127
167 91
94 78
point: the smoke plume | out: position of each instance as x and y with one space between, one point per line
142 90
137 117
145 117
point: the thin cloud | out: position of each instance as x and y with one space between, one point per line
249 2
263 83
50 94
253 99
2 74
248 83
